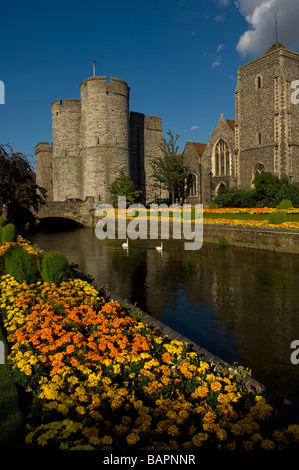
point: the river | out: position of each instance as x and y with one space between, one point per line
239 304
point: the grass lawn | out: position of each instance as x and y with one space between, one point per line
11 427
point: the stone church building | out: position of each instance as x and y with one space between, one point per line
264 135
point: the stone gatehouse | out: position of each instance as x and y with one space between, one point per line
94 137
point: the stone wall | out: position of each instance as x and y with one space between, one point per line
262 239
192 160
266 121
94 137
210 182
44 168
66 175
104 134
81 212
145 145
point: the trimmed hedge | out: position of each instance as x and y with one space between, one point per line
20 264
54 267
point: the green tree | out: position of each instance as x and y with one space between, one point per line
123 186
18 189
236 197
271 190
169 170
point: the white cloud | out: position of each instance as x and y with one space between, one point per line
260 15
193 128
220 17
216 63
223 3
220 47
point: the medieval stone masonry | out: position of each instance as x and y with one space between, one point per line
264 135
94 137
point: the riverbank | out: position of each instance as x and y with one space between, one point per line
83 356
271 239
247 228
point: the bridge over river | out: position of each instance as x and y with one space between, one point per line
81 212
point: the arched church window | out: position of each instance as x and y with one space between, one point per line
192 186
258 82
221 159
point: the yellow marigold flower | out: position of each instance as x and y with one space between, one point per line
222 398
221 434
158 340
200 392
256 437
232 445
293 432
126 420
173 430
199 438
203 367
106 381
80 410
248 445
132 438
261 410
209 417
42 440
107 440
216 386
267 444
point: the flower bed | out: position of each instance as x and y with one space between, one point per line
166 214
252 223
99 378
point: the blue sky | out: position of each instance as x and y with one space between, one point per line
179 57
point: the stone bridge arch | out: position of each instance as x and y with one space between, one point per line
81 212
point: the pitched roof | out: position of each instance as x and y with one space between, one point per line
199 147
274 48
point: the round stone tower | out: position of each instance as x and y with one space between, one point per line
104 134
66 149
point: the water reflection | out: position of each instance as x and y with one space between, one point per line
239 304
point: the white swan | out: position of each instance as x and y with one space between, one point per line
159 248
126 245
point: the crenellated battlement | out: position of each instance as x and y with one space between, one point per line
43 147
69 105
101 84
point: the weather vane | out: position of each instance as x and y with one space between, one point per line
275 26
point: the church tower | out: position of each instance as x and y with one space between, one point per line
267 116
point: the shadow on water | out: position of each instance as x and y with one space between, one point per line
239 304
